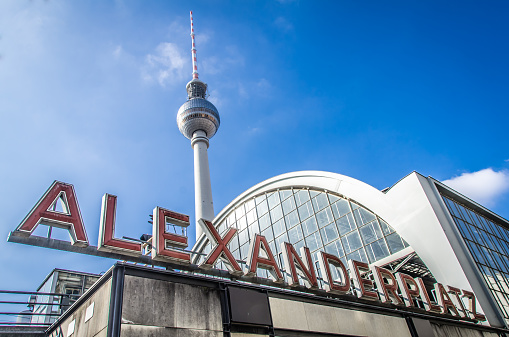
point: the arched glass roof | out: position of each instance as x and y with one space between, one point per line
319 220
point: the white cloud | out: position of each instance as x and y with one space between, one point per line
118 51
166 65
226 63
483 186
283 24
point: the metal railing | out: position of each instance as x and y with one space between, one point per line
15 312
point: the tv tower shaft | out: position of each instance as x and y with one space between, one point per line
198 120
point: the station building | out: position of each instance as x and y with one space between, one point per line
419 227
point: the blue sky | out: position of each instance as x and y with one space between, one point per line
89 92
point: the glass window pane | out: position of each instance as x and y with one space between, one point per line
262 208
288 205
394 242
340 208
345 224
250 204
273 249
335 248
242 223
231 219
279 240
269 235
368 234
301 196
452 207
324 217
253 229
367 216
357 216
320 202
309 226
385 227
329 233
243 251
299 245
332 198
243 236
351 241
251 216
358 255
259 199
463 227
264 222
295 234
463 212
273 200
279 227
313 193
292 219
380 249
234 243
283 194
276 213
305 210
222 227
313 242
236 254
239 212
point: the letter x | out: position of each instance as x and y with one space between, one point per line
220 250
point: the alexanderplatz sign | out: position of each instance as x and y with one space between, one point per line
168 249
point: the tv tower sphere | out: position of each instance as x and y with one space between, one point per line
197 113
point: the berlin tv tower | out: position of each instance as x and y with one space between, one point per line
198 120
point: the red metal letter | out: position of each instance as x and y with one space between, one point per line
107 242
70 219
444 301
363 287
160 238
220 250
423 293
330 285
457 300
387 291
472 306
408 287
255 261
294 263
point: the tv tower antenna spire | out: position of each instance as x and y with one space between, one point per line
193 49
198 120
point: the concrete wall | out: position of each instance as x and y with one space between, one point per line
287 314
161 308
97 325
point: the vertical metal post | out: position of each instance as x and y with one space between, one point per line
225 309
271 327
117 292
411 327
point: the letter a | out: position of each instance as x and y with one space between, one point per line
69 219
